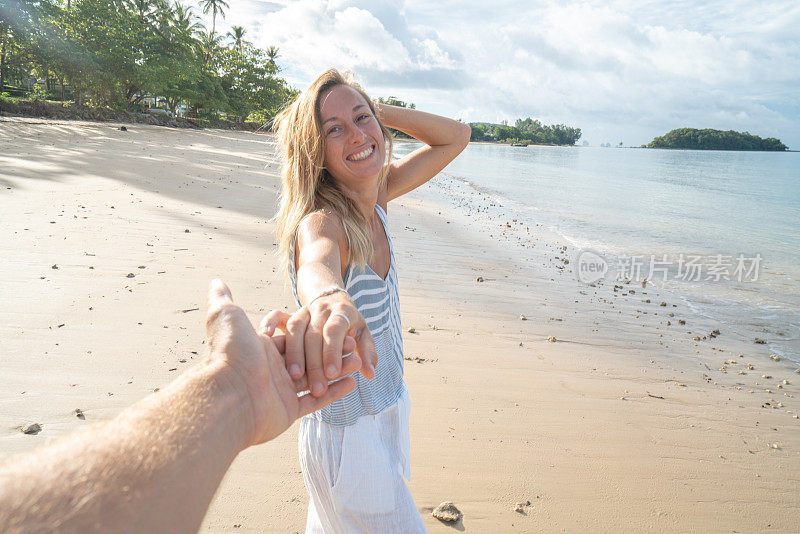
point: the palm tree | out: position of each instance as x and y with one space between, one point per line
209 45
215 6
148 10
237 34
272 56
184 19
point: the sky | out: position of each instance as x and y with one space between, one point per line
619 70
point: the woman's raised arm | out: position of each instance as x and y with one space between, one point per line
445 138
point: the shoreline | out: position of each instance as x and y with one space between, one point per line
693 297
491 210
544 260
411 140
618 424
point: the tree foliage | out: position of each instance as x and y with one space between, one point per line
117 52
393 101
525 131
708 139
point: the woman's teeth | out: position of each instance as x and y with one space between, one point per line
364 154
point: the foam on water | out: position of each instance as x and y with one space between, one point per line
623 203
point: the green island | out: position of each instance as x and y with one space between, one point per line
708 139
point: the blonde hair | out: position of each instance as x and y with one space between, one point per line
306 185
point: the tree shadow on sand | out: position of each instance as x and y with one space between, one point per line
218 169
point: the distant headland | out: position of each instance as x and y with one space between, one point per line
524 132
708 139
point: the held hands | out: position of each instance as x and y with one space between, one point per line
315 338
258 368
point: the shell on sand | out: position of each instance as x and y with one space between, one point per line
31 428
446 511
520 507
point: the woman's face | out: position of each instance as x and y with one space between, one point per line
354 144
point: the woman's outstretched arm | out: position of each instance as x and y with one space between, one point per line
315 334
445 138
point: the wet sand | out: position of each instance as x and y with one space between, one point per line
619 422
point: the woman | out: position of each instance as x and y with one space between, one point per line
338 178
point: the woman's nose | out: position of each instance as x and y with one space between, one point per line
357 135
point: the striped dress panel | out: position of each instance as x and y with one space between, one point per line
378 302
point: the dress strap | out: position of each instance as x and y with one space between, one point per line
382 216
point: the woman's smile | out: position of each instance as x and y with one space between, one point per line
364 154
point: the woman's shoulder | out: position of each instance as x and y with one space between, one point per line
323 223
322 226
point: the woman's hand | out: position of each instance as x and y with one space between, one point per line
350 361
315 333
315 338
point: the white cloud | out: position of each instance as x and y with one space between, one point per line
369 38
623 69
608 69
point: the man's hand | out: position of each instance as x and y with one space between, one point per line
258 367
316 340
351 362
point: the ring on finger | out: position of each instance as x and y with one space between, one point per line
343 316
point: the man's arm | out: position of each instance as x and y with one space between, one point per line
156 466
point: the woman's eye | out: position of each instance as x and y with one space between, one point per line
333 130
364 116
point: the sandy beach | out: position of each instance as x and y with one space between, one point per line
581 403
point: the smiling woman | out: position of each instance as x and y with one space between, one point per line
338 178
306 140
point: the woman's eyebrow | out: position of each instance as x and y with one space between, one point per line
334 118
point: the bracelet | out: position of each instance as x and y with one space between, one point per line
325 292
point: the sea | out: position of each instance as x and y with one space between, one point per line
718 229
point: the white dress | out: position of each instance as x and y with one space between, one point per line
355 452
